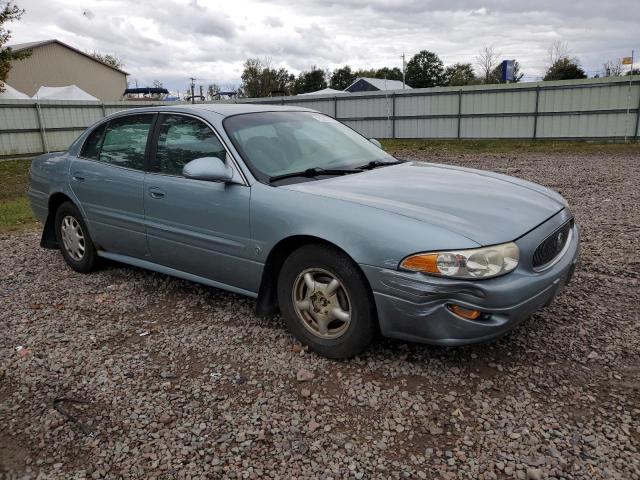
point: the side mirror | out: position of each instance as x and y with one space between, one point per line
376 143
211 169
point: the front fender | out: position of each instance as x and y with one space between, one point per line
370 236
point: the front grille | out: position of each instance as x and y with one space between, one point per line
551 247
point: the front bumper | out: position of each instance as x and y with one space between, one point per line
413 306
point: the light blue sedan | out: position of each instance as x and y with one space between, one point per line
297 210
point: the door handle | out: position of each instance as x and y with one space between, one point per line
155 192
78 177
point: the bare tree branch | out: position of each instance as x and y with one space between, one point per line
558 50
487 59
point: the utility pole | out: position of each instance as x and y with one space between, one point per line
403 71
193 88
201 94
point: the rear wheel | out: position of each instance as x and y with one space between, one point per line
326 302
73 238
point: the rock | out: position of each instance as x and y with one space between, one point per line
534 474
165 419
304 375
229 404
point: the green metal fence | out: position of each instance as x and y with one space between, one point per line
606 108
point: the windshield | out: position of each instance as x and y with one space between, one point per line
279 143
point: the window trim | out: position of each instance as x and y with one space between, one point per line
84 143
156 135
106 123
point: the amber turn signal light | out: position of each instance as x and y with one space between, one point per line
425 262
464 312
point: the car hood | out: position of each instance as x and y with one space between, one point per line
485 207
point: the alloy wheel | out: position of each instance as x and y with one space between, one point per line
322 303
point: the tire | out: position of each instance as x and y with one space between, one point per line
316 314
73 238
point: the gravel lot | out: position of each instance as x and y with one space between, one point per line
214 392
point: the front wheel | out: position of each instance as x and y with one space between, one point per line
73 238
326 302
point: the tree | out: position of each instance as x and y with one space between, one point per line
557 51
310 81
111 60
8 13
281 81
252 79
366 72
425 69
157 84
613 68
213 89
389 73
565 69
496 74
260 80
487 61
342 78
460 74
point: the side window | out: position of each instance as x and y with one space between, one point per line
125 141
91 147
182 139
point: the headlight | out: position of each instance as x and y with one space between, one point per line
485 262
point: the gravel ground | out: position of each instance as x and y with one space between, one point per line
214 392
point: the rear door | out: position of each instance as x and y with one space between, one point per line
108 180
196 226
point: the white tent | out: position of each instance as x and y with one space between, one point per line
11 93
70 92
324 91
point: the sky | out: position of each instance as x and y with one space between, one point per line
170 40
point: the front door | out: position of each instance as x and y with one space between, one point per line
108 180
196 226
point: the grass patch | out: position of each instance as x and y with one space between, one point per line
510 146
15 211
15 214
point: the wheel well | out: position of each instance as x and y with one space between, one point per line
49 232
267 302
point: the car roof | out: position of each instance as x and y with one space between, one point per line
222 109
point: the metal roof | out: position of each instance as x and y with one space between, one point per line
324 91
381 83
18 47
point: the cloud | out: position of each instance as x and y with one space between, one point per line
192 20
273 22
173 40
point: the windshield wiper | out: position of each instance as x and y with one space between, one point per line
378 163
314 172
